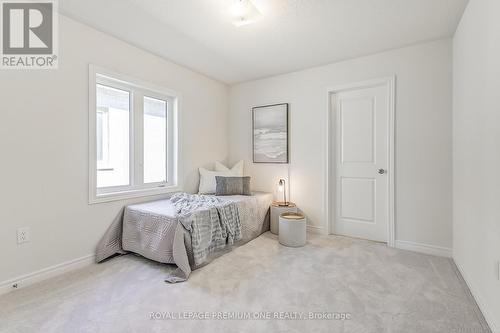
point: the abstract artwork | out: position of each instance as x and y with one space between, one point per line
270 133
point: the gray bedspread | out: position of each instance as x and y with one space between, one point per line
156 230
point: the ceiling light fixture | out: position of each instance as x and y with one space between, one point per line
244 12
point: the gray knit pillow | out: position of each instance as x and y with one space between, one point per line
232 185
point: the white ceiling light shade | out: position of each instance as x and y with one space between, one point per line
244 12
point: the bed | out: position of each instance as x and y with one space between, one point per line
156 230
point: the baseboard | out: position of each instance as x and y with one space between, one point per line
490 319
424 248
316 230
31 278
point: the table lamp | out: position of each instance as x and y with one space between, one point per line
282 188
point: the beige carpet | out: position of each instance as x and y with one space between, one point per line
353 285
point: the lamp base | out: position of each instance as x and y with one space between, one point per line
283 204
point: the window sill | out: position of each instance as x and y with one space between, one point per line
122 195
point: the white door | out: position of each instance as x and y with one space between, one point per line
362 160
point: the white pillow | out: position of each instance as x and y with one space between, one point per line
237 168
207 177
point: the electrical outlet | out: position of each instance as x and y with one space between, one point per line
23 235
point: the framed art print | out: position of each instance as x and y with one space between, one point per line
270 133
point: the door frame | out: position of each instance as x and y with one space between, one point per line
330 186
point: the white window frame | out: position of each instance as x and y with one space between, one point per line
138 89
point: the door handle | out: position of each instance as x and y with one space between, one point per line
381 171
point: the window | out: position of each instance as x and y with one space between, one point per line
133 138
155 140
112 135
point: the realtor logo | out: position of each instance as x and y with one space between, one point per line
29 34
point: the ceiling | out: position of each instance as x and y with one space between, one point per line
291 35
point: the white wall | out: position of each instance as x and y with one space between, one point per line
476 153
43 141
423 135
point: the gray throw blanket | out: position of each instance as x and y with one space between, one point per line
186 203
213 225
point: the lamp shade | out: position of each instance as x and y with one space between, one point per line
281 185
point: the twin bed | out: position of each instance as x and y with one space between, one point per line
189 238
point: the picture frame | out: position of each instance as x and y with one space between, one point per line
270 138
